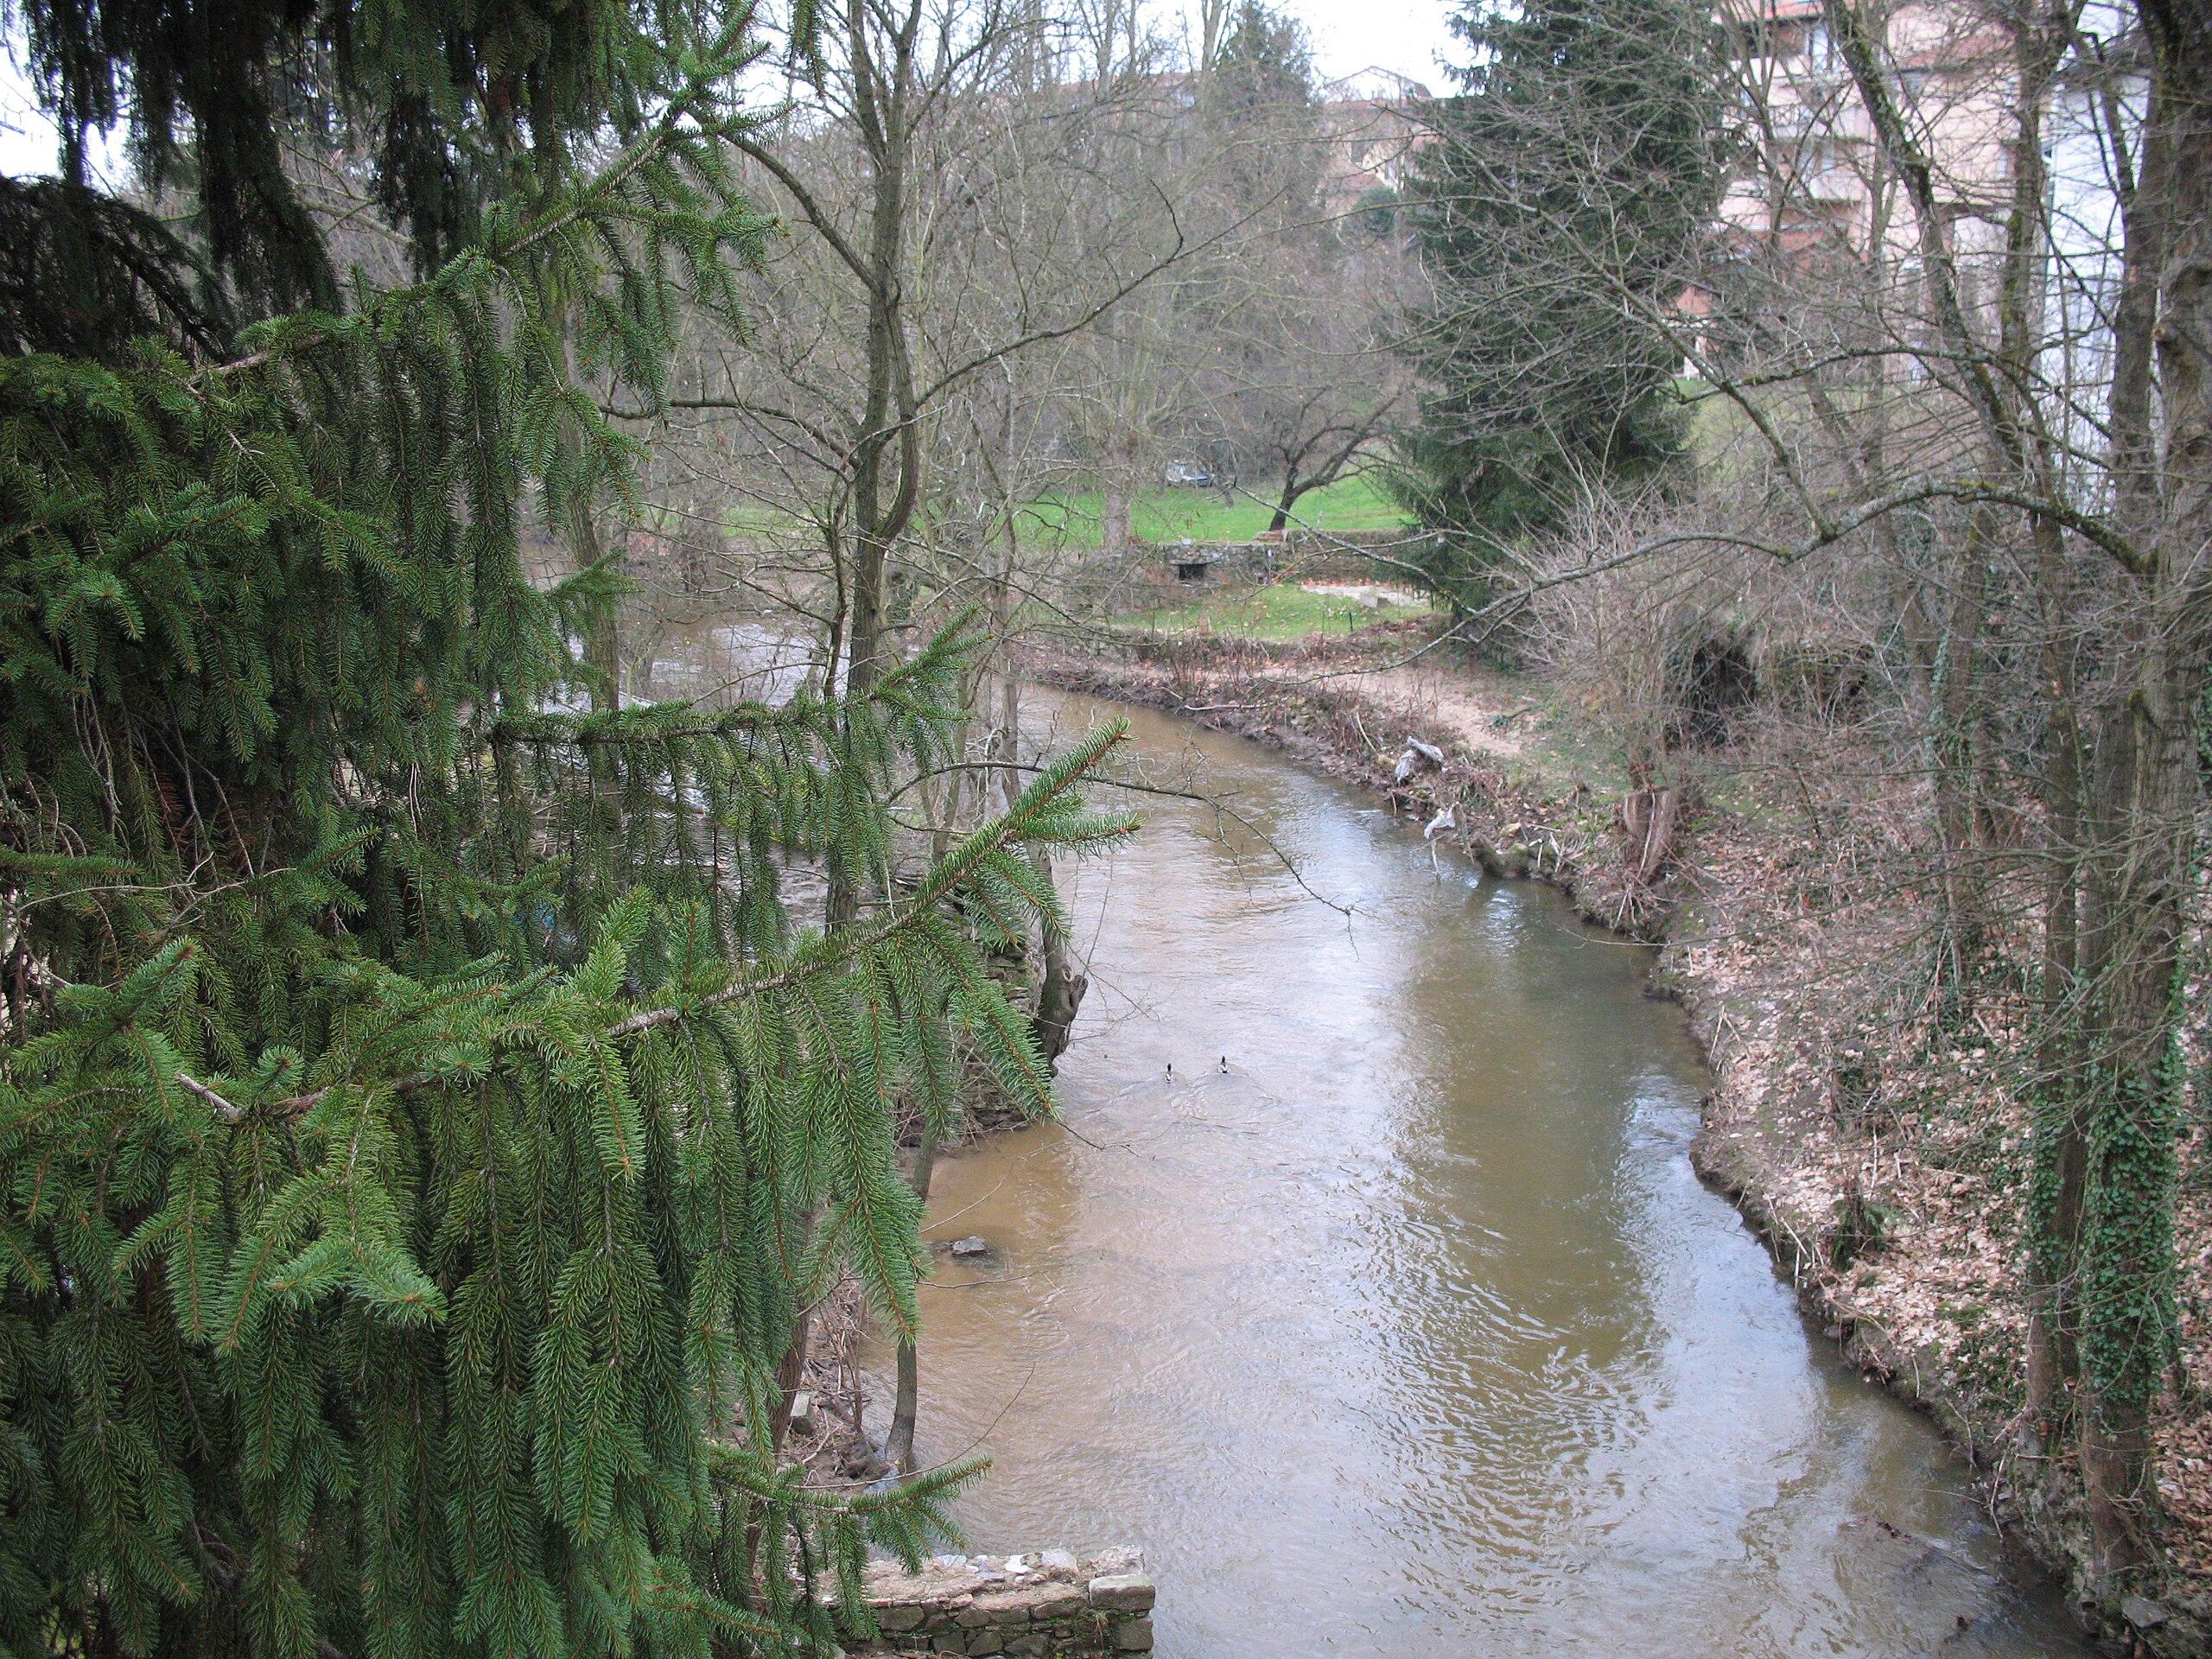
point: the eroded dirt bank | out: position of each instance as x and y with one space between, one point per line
1873 1149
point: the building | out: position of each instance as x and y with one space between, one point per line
1817 198
1814 181
1373 126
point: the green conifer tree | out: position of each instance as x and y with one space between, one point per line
420 1120
1556 213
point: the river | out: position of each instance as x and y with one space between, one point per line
1393 1321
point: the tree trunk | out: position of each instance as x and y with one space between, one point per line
1062 992
2147 748
899 1447
2059 1148
1113 509
602 631
602 636
791 1372
2126 1320
1965 922
887 451
2058 1145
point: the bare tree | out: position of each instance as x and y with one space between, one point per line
1950 341
930 168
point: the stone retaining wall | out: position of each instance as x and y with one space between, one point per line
1042 1603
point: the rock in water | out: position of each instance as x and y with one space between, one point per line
971 1247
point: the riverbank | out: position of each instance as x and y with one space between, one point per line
1877 1153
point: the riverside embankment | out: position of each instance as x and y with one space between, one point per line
1819 1127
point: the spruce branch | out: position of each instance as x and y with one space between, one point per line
961 866
958 867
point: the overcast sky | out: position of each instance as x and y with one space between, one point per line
1349 36
1404 35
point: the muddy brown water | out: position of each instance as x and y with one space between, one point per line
1411 1333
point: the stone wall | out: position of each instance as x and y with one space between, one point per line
1048 1602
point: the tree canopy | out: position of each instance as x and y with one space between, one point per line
1555 213
422 1115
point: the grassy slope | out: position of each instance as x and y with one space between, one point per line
1165 515
1069 518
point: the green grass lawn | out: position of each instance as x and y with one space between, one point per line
751 518
1071 518
1282 610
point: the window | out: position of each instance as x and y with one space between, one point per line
1828 171
1821 57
